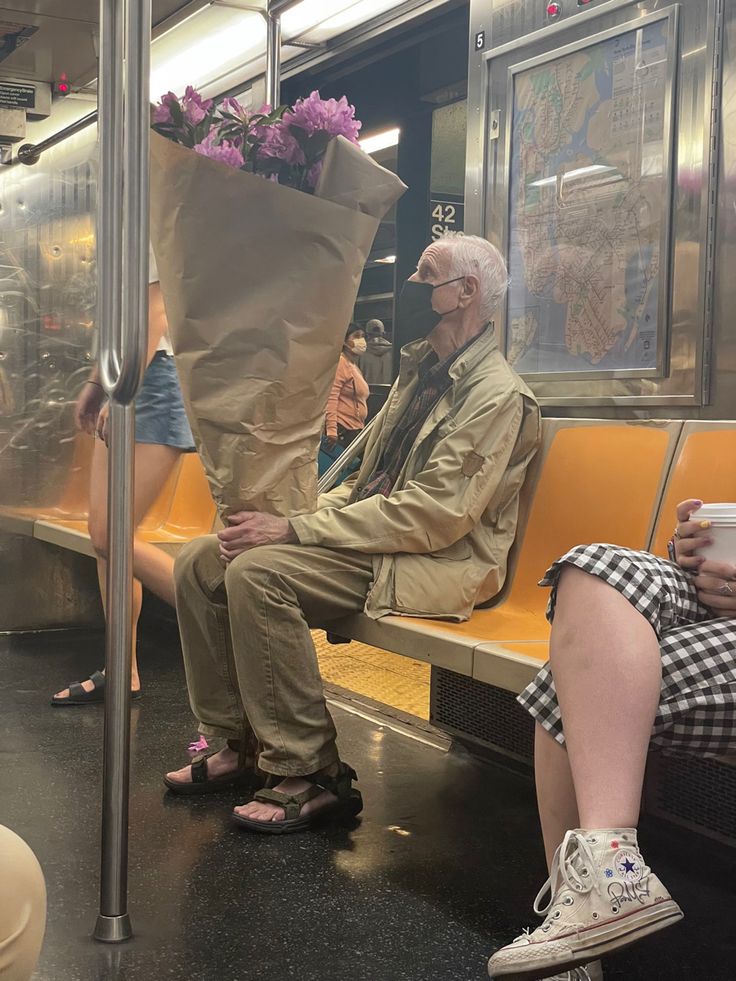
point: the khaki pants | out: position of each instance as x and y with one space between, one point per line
22 908
251 666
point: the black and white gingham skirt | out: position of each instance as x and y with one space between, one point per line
697 709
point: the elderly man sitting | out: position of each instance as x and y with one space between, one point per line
423 528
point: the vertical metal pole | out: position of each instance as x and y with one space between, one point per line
124 296
273 59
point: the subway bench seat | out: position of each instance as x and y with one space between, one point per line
183 510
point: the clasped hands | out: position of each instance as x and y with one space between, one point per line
249 529
714 581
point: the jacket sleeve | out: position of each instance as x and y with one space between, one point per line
334 398
443 502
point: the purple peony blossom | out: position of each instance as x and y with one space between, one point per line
315 114
194 107
162 112
314 174
277 143
232 106
225 152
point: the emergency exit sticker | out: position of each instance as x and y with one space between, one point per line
15 95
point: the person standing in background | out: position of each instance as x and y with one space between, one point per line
377 362
347 406
162 434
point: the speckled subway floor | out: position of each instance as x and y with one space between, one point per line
442 866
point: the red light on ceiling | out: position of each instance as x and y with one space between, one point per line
554 9
62 86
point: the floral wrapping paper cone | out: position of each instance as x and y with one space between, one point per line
259 282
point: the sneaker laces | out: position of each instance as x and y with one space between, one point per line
574 974
571 867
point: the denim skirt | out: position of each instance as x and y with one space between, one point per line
159 408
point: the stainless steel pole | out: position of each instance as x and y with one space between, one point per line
273 58
123 243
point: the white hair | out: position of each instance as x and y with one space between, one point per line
471 255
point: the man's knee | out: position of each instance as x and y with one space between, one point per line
253 568
201 555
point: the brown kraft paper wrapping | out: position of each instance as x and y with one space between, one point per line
259 283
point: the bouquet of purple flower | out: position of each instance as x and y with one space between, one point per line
259 280
286 145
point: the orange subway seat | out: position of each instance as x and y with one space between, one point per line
598 483
704 468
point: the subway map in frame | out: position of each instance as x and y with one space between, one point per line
590 193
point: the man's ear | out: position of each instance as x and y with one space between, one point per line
470 290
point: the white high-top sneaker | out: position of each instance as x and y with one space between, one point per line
602 898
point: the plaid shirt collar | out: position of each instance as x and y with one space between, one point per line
435 379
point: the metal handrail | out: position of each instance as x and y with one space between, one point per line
123 234
30 153
273 58
328 478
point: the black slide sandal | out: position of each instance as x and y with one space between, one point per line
244 778
78 695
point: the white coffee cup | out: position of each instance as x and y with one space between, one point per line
722 531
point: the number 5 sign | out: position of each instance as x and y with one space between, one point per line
447 216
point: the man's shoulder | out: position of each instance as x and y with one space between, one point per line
493 377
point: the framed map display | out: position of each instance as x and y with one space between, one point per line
590 181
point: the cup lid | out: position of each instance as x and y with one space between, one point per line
710 512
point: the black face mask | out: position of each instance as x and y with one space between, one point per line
415 315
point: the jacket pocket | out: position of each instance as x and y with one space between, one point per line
441 584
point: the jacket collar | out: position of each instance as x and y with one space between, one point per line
483 345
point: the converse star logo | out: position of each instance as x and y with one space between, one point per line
628 866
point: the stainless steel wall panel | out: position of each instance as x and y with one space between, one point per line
723 370
47 301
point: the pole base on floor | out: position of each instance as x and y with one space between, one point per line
113 929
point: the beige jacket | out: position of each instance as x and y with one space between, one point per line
440 541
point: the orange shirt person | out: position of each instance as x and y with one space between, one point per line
347 406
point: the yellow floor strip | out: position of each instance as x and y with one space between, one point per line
389 678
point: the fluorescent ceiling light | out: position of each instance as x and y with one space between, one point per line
223 47
389 260
308 14
213 43
580 172
330 19
381 141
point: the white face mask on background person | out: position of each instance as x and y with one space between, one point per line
358 346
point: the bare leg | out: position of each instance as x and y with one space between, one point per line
152 567
607 668
558 809
606 664
135 681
